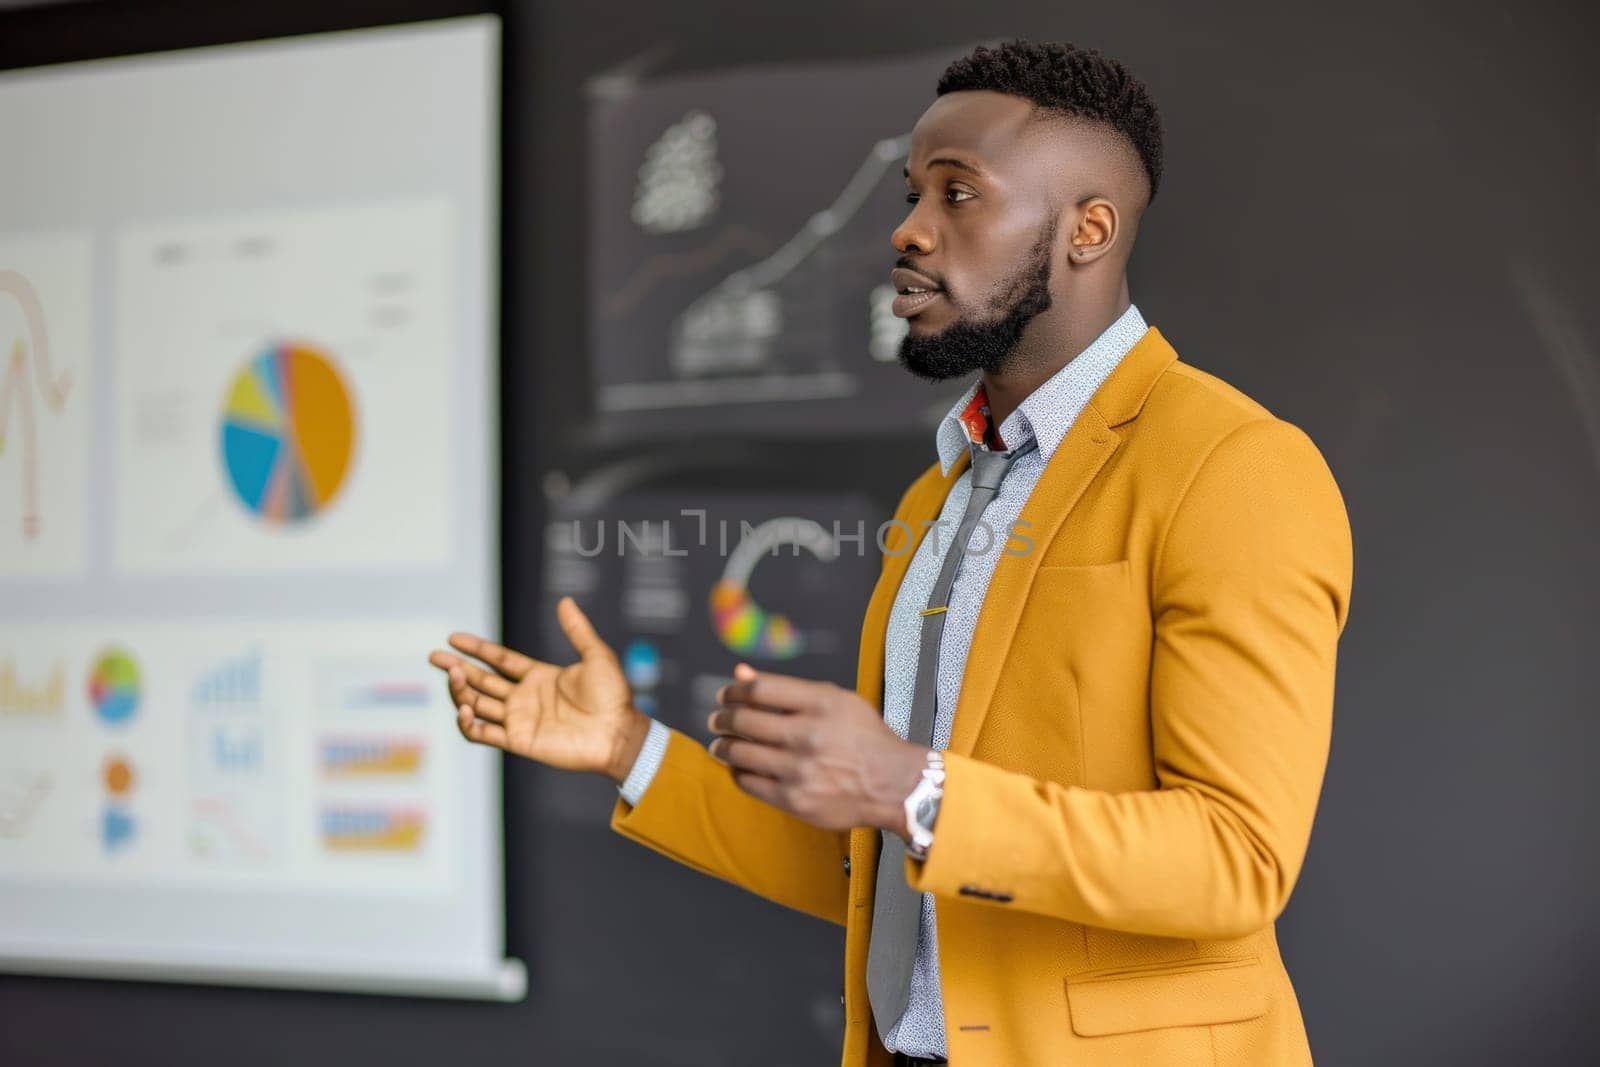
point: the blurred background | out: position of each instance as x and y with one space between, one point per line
350 327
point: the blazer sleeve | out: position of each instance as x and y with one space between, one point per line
694 813
1250 592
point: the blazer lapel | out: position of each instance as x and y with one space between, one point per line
1077 461
1082 453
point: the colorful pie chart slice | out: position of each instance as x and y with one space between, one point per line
288 433
114 687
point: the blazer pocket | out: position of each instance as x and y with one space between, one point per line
1117 568
1075 587
1198 992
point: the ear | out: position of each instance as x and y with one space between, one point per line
1096 229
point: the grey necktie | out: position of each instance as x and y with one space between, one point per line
897 908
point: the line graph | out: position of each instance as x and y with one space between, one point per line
735 326
824 223
21 793
16 397
667 265
767 337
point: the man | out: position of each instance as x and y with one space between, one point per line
1074 785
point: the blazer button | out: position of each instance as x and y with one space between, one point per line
847 866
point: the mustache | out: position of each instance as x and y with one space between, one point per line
910 264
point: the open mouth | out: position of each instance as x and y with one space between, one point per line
912 300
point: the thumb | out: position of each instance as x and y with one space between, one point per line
579 630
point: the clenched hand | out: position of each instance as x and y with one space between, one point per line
814 749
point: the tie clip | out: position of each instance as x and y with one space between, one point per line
933 611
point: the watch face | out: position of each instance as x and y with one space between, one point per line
927 808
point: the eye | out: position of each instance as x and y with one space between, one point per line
953 194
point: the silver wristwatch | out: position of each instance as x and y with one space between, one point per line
922 806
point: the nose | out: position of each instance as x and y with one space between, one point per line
914 234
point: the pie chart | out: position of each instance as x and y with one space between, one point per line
288 432
114 686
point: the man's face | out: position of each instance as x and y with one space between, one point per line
980 234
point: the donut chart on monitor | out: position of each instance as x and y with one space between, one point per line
743 625
288 433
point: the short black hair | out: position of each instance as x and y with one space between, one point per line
1065 78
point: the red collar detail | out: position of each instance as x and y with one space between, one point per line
975 419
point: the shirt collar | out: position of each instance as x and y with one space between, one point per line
1048 412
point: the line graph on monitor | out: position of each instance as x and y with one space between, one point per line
17 391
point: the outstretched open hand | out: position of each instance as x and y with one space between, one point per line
579 717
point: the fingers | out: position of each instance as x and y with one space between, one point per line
476 700
580 632
743 755
486 682
511 664
779 692
756 724
470 685
476 693
479 730
761 788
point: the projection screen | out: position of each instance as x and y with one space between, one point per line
248 297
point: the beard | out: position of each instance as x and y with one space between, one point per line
966 347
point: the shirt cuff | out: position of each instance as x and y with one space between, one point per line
645 764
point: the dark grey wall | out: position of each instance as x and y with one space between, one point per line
1380 220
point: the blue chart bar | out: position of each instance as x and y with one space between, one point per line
236 683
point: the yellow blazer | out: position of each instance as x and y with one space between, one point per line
1137 751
